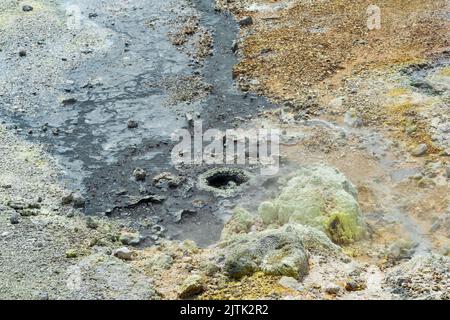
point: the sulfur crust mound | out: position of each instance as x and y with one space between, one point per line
320 197
240 223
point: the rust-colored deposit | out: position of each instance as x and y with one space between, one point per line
313 42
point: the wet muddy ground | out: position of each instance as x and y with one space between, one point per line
131 70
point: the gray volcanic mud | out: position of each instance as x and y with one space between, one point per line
91 67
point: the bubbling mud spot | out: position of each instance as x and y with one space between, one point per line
225 179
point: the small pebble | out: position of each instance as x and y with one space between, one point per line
420 150
27 8
67 198
14 219
132 124
78 201
333 289
246 21
124 253
139 174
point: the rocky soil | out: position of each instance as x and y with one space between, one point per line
91 208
